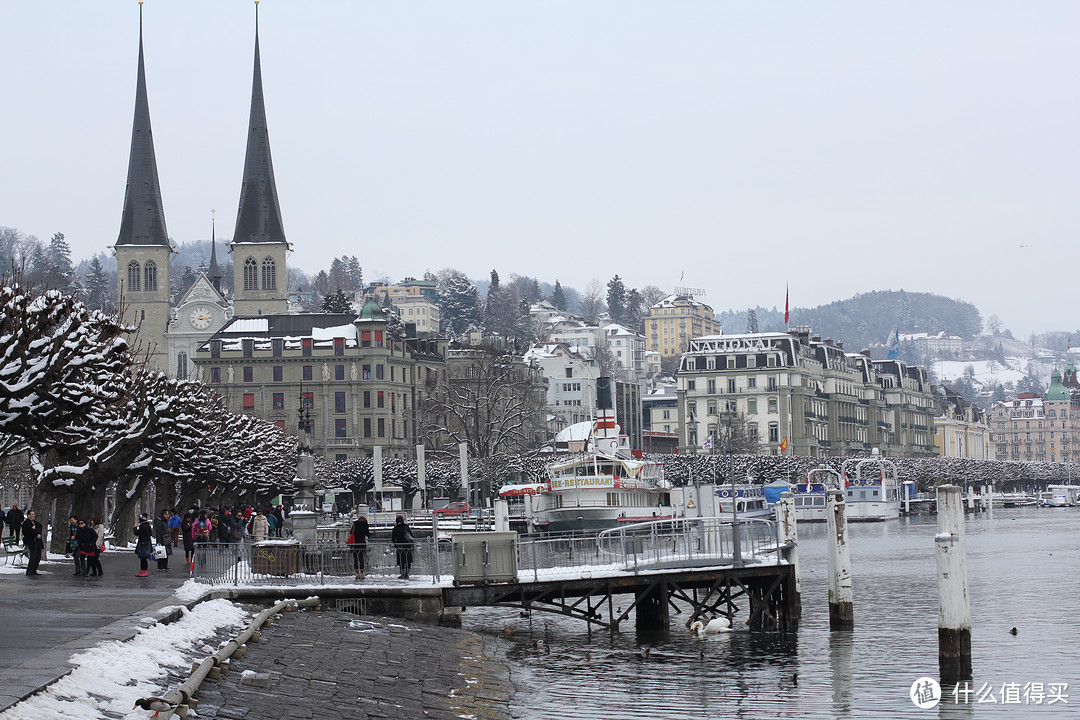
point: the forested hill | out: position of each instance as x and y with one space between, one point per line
868 318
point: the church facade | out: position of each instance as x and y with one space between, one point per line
169 335
344 383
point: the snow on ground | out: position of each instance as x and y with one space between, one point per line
109 678
986 371
7 566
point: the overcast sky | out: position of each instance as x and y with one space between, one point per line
838 147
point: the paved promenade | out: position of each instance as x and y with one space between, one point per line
332 666
324 664
46 619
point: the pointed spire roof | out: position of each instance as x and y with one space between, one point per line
143 221
215 269
258 218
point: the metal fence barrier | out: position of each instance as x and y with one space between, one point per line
639 547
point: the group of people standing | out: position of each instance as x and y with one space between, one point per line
401 537
86 542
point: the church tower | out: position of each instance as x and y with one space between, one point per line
142 248
258 246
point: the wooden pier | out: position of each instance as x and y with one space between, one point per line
766 592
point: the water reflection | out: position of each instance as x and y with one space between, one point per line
1021 575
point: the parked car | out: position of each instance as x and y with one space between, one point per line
455 508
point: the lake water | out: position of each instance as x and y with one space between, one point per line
1022 574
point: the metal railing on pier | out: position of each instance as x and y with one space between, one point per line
634 548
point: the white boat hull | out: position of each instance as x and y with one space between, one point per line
872 511
591 519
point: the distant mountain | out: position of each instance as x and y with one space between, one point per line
868 318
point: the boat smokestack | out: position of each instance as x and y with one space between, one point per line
603 393
605 412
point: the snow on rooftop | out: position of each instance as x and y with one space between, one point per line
248 325
339 331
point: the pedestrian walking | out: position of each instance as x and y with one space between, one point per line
33 541
3 520
187 533
279 518
72 541
144 545
15 521
402 537
174 528
260 526
163 537
86 548
357 541
95 563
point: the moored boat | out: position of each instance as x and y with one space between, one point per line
603 486
871 489
810 496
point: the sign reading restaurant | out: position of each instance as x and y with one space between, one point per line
598 481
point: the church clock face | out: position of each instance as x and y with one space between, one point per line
201 317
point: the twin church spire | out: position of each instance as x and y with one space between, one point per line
143 249
143 220
258 217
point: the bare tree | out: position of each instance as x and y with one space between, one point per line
492 402
592 301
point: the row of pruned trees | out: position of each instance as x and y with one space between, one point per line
443 472
90 415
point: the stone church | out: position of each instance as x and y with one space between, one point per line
168 335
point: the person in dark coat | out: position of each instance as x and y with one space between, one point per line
144 543
95 564
360 531
225 527
33 541
3 520
15 520
163 536
279 519
85 548
187 534
403 540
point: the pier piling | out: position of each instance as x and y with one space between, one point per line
787 536
954 605
841 616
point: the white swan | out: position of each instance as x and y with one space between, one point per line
716 626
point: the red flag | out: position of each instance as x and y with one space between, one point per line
787 295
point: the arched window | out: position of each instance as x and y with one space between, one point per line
181 366
251 274
150 276
133 276
269 274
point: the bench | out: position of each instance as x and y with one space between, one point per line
14 553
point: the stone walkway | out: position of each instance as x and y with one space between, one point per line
332 666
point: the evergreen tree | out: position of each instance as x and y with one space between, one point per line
336 302
459 302
616 300
634 314
339 276
97 285
60 272
558 297
355 272
500 311
751 321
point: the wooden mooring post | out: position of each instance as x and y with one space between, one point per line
841 616
787 535
954 605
